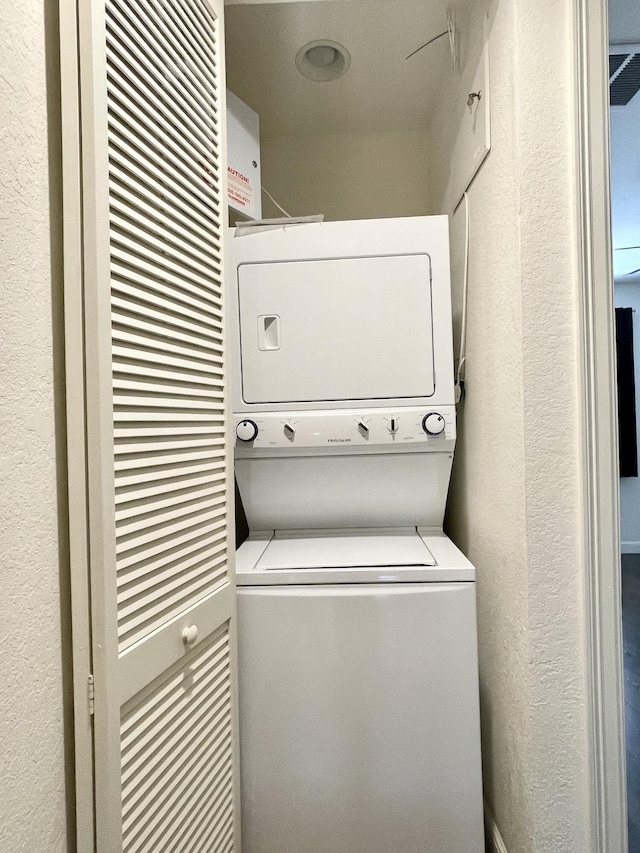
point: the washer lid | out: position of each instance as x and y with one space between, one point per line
328 551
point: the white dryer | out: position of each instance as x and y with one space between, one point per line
359 720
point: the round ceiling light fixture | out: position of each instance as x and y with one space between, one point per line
322 60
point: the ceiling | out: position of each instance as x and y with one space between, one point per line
381 90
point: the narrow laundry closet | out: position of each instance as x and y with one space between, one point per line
358 674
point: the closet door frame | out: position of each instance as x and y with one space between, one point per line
599 428
76 428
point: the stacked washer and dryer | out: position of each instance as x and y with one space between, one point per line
359 718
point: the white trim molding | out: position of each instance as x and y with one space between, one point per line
74 343
598 424
495 844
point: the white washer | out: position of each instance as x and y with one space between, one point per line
358 694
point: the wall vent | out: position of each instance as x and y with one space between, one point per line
624 76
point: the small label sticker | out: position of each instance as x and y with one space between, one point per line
241 190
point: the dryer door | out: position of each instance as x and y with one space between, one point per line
336 329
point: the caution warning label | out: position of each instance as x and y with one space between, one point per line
241 190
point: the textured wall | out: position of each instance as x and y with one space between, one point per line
348 177
487 509
31 728
514 504
554 490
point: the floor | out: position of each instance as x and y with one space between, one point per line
631 630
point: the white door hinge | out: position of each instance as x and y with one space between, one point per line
91 694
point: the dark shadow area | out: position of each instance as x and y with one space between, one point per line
242 527
631 632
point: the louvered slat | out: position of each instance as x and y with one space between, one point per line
153 539
129 315
156 567
160 519
184 167
163 103
177 760
156 487
192 378
190 567
126 202
148 354
155 180
147 21
141 341
135 451
134 296
148 533
142 183
153 548
123 53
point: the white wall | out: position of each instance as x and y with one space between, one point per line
515 498
627 295
625 184
347 176
32 798
625 190
624 22
487 507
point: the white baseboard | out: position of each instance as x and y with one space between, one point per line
630 547
494 839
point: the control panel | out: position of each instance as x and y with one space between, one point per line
357 428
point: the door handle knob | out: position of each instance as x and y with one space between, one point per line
190 635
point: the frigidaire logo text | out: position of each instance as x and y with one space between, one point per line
338 440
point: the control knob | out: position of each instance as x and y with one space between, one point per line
433 423
247 430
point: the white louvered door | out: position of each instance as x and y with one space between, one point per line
160 536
